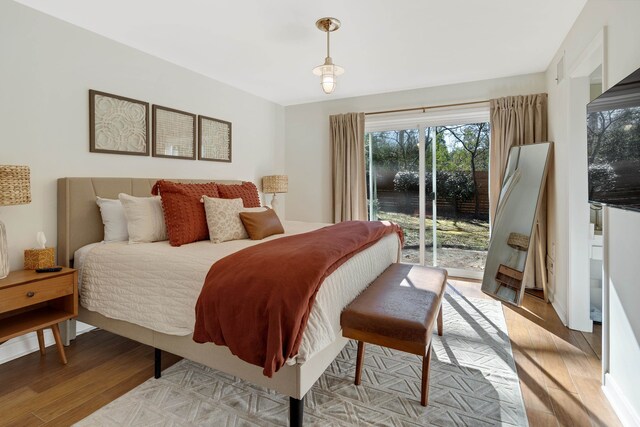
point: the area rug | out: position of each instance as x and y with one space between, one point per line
473 382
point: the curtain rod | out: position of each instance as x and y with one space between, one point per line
459 104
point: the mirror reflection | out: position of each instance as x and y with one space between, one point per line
513 227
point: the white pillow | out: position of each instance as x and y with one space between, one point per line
223 218
115 223
145 219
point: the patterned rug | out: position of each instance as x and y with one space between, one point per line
473 383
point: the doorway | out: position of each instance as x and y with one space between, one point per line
587 77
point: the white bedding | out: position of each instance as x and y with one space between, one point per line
78 259
156 285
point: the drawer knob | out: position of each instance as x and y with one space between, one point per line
30 294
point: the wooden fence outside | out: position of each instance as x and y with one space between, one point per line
409 202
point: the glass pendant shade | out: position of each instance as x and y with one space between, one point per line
328 72
328 83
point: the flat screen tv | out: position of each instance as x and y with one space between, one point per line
613 145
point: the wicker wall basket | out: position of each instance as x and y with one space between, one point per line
15 185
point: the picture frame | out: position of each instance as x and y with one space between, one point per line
214 139
117 124
174 133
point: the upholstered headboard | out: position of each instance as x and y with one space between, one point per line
79 220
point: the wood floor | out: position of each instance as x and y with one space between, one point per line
559 373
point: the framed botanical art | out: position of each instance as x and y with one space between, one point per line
174 133
118 125
214 139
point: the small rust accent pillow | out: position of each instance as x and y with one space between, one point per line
184 214
247 191
261 224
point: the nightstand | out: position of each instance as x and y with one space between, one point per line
31 301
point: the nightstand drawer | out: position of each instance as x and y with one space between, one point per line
35 292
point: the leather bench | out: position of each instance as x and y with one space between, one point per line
398 310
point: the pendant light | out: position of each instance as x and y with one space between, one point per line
328 71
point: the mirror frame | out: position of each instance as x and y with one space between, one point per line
531 251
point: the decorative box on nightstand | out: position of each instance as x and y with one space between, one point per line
31 301
39 258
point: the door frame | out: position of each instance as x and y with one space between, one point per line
578 283
593 56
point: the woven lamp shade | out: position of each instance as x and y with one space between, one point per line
15 185
275 184
518 241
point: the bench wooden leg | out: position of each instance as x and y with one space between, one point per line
40 334
359 361
56 335
426 362
440 321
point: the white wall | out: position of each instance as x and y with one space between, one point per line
308 149
622 57
47 67
624 303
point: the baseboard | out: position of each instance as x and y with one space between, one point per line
28 343
562 314
621 406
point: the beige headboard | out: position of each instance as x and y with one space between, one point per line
79 221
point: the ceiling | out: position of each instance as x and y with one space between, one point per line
269 48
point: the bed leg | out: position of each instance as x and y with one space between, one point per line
158 363
296 411
68 331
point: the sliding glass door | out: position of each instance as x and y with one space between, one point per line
393 169
460 158
432 180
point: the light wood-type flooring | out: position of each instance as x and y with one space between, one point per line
558 368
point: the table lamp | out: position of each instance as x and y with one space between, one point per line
275 184
15 189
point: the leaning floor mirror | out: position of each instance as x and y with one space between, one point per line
511 248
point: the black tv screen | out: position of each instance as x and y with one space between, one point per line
613 145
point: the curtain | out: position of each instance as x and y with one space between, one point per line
349 174
518 120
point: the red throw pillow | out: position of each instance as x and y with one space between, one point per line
184 214
247 191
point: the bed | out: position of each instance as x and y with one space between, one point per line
105 267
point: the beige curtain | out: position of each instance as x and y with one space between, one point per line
518 120
349 175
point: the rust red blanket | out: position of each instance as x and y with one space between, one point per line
257 300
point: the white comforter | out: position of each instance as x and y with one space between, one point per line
156 285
